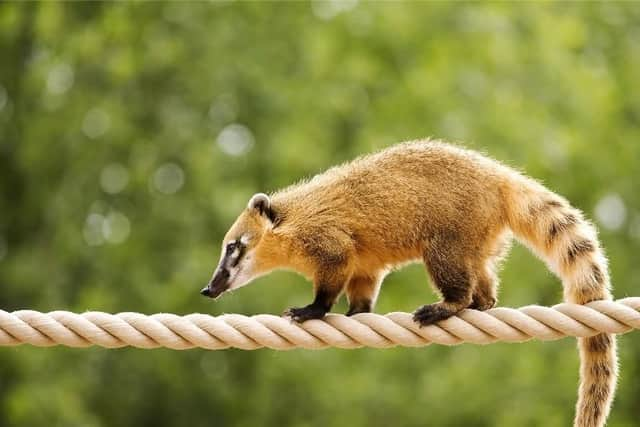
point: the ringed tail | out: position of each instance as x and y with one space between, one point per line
559 235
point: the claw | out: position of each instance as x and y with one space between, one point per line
301 314
431 313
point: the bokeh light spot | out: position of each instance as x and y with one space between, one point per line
213 367
168 178
611 211
60 79
116 227
328 9
96 123
235 139
114 178
93 230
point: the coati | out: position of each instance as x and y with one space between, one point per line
451 208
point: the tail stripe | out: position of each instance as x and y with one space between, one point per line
599 344
560 226
598 276
579 248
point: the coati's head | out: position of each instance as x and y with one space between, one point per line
238 263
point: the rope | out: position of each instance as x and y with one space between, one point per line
365 329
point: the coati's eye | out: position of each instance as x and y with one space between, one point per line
231 246
234 252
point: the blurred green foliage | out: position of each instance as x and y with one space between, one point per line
132 134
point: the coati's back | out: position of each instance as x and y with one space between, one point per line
395 201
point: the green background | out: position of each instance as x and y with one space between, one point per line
132 134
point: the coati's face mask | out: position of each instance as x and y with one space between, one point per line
237 265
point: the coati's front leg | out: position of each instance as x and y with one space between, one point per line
328 285
454 281
331 254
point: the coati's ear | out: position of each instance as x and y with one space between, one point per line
262 203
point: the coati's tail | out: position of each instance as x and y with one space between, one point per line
568 243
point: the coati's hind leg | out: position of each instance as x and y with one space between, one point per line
362 292
455 281
485 291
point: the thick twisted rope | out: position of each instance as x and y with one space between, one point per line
366 329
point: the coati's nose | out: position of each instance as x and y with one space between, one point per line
206 291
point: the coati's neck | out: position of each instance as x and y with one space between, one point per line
278 251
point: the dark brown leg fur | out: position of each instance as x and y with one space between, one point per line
361 306
453 280
482 302
484 293
320 306
328 286
362 292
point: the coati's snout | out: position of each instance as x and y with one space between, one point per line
218 284
239 263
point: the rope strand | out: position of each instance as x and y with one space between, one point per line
278 333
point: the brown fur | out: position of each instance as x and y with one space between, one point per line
451 208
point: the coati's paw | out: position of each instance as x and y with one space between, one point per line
305 313
431 313
482 304
354 311
359 307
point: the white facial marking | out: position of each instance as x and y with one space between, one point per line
242 274
236 253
